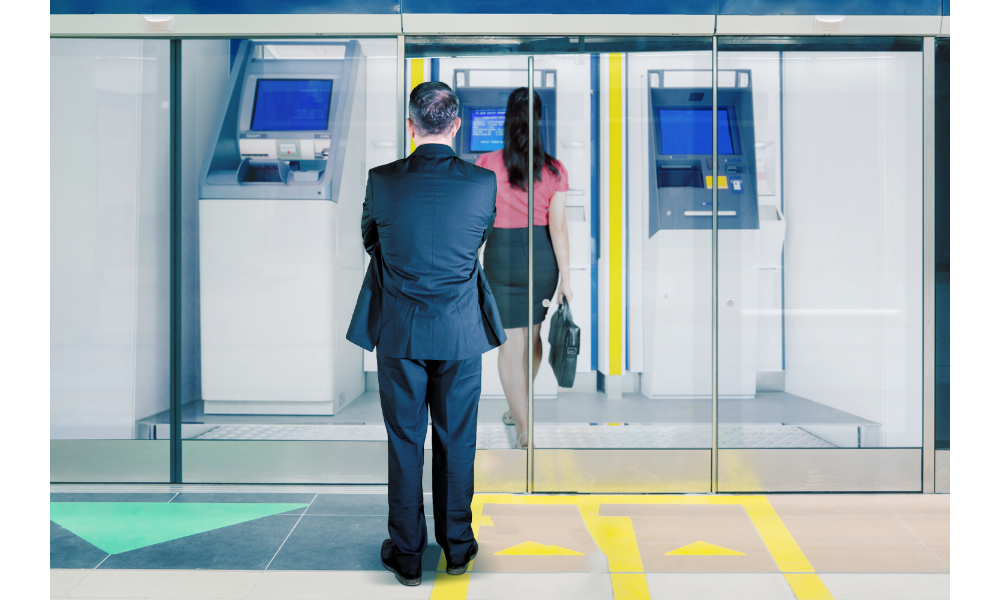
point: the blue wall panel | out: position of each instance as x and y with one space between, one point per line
829 7
578 7
564 7
946 10
222 7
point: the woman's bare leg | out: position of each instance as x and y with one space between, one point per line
511 361
537 358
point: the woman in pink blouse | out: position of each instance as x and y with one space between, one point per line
505 258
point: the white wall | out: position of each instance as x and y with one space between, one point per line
853 201
109 201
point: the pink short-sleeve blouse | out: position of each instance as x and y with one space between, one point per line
512 202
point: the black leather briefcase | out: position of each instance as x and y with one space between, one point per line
564 339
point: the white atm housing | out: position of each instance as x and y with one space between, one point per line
281 259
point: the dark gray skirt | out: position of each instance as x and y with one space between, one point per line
505 262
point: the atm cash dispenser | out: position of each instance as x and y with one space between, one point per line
483 108
678 344
280 200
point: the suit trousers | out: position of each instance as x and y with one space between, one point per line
450 390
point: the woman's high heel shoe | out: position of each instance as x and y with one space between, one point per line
517 442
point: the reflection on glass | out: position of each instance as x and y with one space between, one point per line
110 269
820 314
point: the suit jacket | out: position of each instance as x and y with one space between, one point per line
425 296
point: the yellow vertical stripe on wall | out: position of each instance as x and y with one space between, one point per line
615 214
416 78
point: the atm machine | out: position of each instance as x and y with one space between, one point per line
677 346
280 198
482 108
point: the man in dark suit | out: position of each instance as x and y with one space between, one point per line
427 308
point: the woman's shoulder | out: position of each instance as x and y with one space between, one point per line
490 159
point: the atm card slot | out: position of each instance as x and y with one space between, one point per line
708 213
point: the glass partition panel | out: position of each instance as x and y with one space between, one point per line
820 244
486 74
624 234
110 257
278 138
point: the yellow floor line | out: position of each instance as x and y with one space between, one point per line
808 586
451 587
779 541
615 536
630 586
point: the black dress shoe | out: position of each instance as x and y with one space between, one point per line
389 562
458 570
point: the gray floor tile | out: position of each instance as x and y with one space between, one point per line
63 497
333 543
540 586
249 545
70 551
191 497
718 586
337 585
343 543
362 505
888 586
175 584
62 581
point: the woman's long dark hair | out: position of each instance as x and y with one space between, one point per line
515 140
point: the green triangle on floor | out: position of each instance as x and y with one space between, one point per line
117 527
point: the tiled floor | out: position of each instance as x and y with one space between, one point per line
849 547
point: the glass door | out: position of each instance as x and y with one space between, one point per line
635 416
638 416
820 206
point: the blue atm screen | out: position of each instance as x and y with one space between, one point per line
486 129
689 131
291 105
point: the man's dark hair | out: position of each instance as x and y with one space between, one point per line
433 108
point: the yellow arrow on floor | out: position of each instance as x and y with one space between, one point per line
535 549
703 549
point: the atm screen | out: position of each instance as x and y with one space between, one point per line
486 129
291 105
689 131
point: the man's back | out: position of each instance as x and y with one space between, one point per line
426 216
427 310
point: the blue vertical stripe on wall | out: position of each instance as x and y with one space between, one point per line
595 193
234 47
946 8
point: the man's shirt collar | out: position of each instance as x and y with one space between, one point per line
434 150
